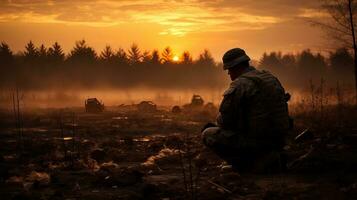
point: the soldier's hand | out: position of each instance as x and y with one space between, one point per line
208 125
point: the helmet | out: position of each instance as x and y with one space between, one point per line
234 57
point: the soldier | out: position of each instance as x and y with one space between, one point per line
253 116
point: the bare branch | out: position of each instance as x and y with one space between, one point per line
328 26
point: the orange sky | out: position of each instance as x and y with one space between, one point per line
258 26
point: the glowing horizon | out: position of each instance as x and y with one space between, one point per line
186 25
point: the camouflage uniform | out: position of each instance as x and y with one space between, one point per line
253 117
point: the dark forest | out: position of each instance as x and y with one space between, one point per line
40 67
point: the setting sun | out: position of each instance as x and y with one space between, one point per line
175 58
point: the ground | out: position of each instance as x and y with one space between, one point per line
124 154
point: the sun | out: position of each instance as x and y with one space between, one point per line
175 58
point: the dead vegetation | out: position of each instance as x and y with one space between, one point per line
126 154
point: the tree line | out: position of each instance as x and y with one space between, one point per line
40 67
298 70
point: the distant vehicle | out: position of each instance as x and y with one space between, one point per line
197 100
197 103
176 109
94 106
147 106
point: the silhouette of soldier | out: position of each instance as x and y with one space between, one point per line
253 116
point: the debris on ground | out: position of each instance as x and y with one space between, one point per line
165 156
126 154
38 179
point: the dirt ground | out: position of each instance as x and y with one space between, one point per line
124 154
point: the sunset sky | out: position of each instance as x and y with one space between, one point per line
258 26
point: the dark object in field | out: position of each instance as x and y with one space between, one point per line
176 109
197 100
147 106
93 105
305 135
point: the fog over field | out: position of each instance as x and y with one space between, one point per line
48 76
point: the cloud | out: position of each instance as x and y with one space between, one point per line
178 17
312 13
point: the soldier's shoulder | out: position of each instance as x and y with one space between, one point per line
246 80
259 76
238 85
230 89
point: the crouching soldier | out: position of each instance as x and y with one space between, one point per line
253 116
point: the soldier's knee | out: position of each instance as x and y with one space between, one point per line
209 135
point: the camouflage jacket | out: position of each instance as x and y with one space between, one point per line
254 106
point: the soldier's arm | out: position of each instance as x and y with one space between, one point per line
229 108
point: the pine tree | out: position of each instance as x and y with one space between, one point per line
30 52
82 53
6 56
186 58
134 54
56 54
107 54
167 55
155 57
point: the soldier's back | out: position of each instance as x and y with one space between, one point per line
265 108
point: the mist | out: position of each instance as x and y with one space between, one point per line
48 77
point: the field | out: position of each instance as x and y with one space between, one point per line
126 154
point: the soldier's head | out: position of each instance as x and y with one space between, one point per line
236 61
